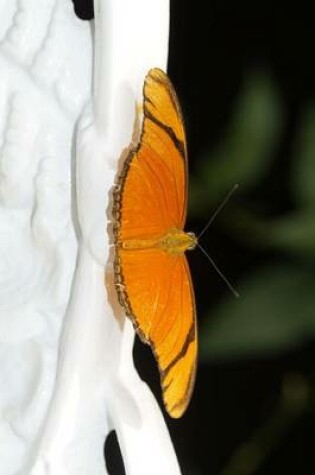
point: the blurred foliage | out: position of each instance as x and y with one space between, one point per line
277 304
246 150
295 399
267 318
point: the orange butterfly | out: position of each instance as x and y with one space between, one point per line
152 276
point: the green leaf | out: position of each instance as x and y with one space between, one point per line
276 311
295 233
247 148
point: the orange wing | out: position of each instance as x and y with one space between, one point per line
154 286
158 295
151 196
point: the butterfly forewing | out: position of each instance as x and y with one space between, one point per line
162 109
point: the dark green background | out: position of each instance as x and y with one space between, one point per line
245 78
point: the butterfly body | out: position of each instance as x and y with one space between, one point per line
151 271
175 241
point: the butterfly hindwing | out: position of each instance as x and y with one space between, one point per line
161 305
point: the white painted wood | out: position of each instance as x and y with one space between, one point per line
66 370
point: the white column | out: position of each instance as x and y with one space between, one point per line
97 387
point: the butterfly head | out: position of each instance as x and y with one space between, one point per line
193 241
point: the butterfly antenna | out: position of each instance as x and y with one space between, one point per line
215 214
230 286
